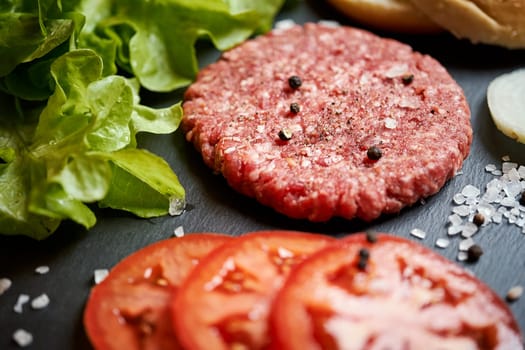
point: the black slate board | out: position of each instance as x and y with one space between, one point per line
73 253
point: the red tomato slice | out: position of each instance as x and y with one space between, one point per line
226 298
404 296
130 308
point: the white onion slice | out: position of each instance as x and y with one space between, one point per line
506 100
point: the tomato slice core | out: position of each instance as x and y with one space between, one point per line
130 308
393 294
227 296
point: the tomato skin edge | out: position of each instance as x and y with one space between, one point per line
281 339
94 330
181 321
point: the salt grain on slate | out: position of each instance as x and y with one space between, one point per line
462 256
499 202
179 231
40 302
42 270
462 210
514 293
465 244
5 284
99 275
20 302
454 230
459 198
490 168
469 229
22 337
470 191
416 232
442 243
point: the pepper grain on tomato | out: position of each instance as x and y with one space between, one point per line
404 297
227 297
130 308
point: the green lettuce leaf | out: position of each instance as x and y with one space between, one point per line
155 40
143 184
81 149
75 144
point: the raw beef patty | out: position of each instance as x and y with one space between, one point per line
318 121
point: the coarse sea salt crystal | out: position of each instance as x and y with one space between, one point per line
515 211
390 123
507 166
40 302
329 23
396 70
512 188
462 210
20 302
22 337
490 168
465 244
469 229
42 270
497 203
455 220
179 231
442 243
177 206
514 293
454 229
486 209
470 191
521 171
99 275
284 24
416 232
459 198
513 175
462 256
508 202
5 284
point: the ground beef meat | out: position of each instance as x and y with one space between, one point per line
318 121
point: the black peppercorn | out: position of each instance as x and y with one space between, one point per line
295 82
478 219
374 153
295 108
364 254
285 134
474 253
407 78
